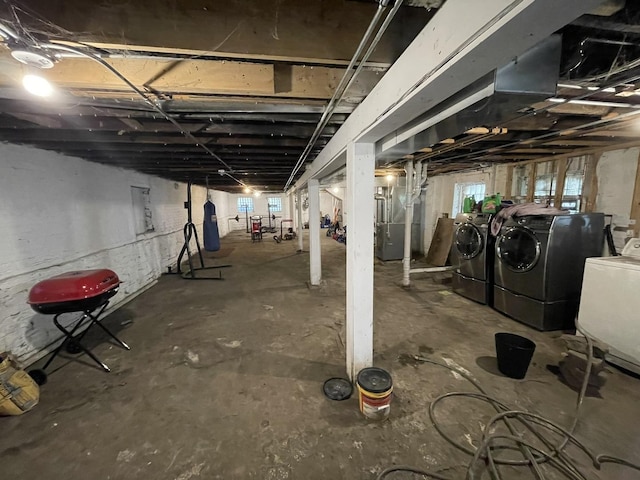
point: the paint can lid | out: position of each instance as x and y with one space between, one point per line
375 380
337 389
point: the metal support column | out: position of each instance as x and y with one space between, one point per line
315 263
360 193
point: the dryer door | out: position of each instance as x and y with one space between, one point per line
518 248
469 241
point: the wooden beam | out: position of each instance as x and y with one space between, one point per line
287 29
531 185
615 133
590 184
635 204
561 175
577 142
509 182
181 78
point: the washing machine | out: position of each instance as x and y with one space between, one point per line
472 254
538 266
610 303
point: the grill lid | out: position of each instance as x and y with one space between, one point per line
73 286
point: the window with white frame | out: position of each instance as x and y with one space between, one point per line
141 199
275 204
545 185
465 190
572 192
245 204
520 185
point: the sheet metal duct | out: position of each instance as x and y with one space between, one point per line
490 101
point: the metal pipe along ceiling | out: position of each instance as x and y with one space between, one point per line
347 78
187 134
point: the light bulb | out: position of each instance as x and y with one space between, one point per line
247 190
336 189
390 178
36 85
257 194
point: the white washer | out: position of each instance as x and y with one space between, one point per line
610 304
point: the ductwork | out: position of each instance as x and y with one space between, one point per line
491 101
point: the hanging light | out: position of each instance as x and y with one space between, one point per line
336 189
390 178
37 85
247 190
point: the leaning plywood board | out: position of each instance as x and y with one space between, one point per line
441 243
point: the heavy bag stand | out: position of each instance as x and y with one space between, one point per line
190 231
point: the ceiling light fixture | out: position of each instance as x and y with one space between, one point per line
33 58
591 88
597 103
336 189
593 103
257 194
247 190
390 178
607 90
37 85
569 85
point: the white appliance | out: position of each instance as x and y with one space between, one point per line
610 304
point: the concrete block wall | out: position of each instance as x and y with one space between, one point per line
616 174
59 213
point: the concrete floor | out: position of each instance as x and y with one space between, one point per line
224 381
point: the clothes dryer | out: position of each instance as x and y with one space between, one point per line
539 264
472 253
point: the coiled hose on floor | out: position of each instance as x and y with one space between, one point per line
533 456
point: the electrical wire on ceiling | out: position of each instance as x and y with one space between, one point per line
349 77
44 49
549 136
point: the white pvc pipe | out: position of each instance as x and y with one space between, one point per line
408 220
432 269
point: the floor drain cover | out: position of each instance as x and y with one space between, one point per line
337 388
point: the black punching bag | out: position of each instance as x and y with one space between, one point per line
210 226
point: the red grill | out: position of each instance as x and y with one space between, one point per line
74 291
86 291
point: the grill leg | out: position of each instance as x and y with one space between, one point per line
95 321
69 335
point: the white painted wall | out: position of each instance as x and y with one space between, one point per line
440 192
259 208
616 181
616 174
331 200
59 213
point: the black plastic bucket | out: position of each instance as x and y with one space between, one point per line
514 354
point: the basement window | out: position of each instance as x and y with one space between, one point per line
275 204
572 193
142 215
464 190
245 204
545 186
520 185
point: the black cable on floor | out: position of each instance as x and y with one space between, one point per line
533 456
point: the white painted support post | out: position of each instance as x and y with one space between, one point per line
315 262
292 211
360 198
408 220
300 223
